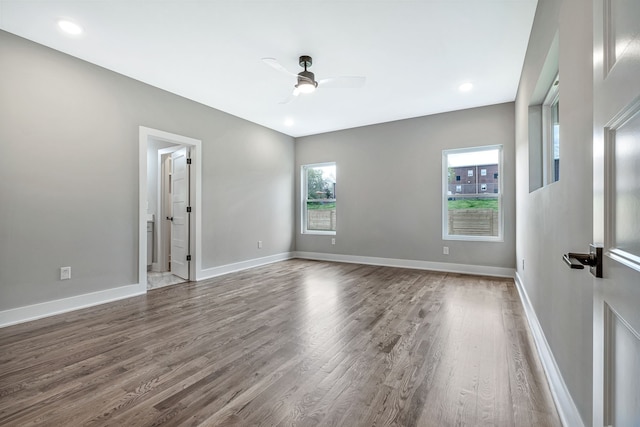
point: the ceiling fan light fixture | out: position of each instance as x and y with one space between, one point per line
305 86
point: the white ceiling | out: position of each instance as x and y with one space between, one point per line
414 54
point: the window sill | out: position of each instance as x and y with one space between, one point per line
495 239
319 232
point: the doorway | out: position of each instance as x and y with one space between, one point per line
170 181
170 236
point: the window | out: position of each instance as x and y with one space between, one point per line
551 132
544 153
483 172
555 141
319 198
472 211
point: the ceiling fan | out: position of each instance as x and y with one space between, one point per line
306 80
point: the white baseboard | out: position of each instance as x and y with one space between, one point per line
407 263
565 405
208 273
50 308
37 311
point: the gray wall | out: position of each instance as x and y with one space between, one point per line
558 218
389 186
69 187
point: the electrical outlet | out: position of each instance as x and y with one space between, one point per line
65 273
445 250
259 244
333 240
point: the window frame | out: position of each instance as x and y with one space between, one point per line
551 101
499 196
303 198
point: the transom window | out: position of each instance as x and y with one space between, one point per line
319 198
472 209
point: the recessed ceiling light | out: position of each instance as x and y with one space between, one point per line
70 27
465 87
288 121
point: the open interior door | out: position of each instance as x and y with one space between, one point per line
616 199
180 215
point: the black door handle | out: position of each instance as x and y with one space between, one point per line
170 218
577 261
593 259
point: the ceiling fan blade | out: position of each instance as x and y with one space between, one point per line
342 82
291 97
273 63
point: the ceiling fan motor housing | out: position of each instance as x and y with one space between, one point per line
306 77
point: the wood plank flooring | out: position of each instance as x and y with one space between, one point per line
296 343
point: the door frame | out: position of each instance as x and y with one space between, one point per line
195 246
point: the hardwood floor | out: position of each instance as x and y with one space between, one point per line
299 343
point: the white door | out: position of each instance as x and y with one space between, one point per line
180 221
616 199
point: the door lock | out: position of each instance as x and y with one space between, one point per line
593 259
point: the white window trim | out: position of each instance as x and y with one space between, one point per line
303 199
552 98
445 196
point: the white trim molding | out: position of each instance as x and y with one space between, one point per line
408 263
50 308
243 265
565 405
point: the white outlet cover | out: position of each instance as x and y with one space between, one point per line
65 273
